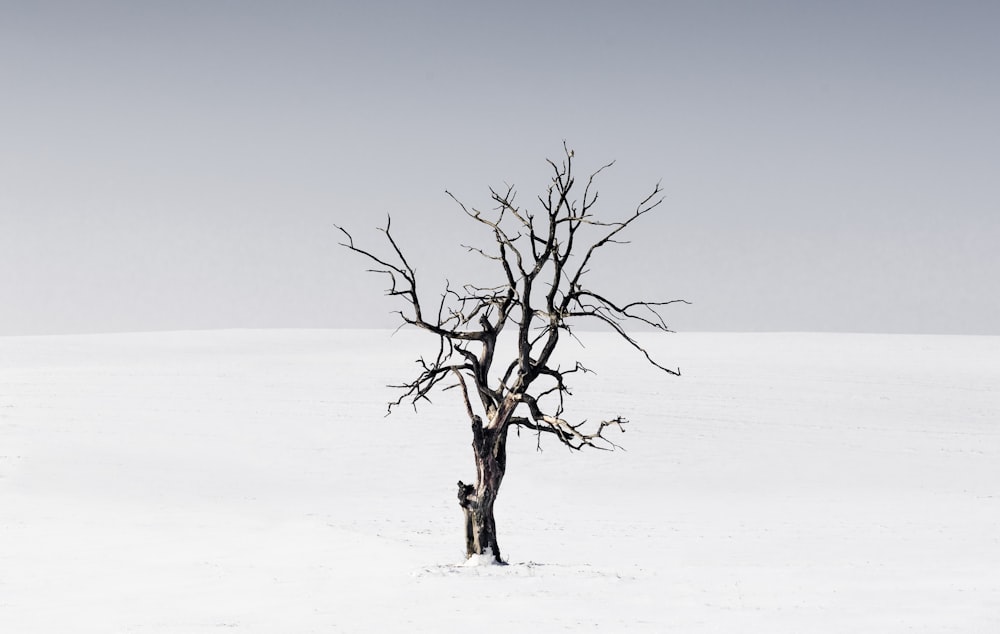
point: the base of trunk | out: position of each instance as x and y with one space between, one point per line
486 559
480 527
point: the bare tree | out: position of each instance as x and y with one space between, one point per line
541 294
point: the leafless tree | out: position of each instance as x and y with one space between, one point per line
543 261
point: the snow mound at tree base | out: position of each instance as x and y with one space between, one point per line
526 569
485 559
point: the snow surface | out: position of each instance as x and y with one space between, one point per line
247 481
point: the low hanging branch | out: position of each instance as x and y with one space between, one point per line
541 294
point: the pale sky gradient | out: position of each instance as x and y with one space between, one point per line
828 165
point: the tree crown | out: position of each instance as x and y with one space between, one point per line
544 261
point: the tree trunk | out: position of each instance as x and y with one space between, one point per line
490 449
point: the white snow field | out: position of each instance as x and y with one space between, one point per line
247 481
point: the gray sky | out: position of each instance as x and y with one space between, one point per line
827 165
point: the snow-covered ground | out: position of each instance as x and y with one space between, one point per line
247 481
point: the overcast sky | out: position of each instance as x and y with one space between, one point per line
827 165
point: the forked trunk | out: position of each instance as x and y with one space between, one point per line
490 449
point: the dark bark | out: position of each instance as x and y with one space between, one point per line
477 501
